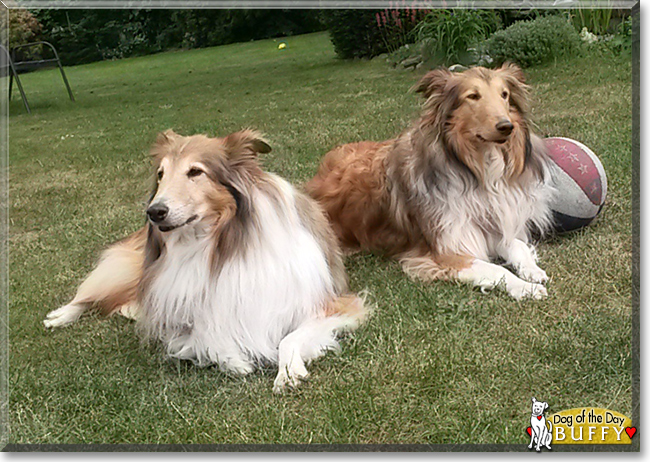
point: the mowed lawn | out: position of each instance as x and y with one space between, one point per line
437 363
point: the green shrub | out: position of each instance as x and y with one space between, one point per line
446 35
618 43
512 15
354 33
529 43
23 28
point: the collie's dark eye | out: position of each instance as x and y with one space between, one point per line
160 175
474 96
504 95
194 172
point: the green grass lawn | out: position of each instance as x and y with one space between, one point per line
437 363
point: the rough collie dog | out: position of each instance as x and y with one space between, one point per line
464 186
234 266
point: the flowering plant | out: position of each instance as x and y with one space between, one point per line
587 36
396 24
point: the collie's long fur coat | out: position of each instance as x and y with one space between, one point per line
466 184
235 267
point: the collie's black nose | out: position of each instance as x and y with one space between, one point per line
157 212
505 127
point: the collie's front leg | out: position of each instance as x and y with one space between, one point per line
65 315
487 276
314 338
524 260
205 350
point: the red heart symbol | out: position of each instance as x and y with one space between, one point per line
539 417
630 431
529 430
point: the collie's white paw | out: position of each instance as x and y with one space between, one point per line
533 274
63 316
528 290
130 311
238 367
289 376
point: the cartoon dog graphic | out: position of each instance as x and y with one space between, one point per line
540 435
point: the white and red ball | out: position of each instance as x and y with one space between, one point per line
580 181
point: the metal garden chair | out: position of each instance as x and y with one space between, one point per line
10 65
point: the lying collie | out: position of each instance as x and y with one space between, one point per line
464 186
234 266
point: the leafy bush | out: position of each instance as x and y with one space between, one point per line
533 42
618 43
23 28
621 41
354 33
446 35
513 15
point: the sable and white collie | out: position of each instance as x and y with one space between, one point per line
234 266
464 186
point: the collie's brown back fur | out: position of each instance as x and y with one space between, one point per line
351 185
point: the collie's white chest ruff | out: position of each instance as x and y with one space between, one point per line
476 223
239 316
480 220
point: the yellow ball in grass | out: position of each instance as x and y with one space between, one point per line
282 46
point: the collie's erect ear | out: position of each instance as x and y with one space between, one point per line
514 71
164 142
516 81
440 88
433 82
166 137
247 143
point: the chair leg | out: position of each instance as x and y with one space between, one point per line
11 84
65 80
22 92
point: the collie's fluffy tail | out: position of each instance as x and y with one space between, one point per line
351 309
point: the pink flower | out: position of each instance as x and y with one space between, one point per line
378 19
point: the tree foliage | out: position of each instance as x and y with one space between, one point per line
354 33
83 36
